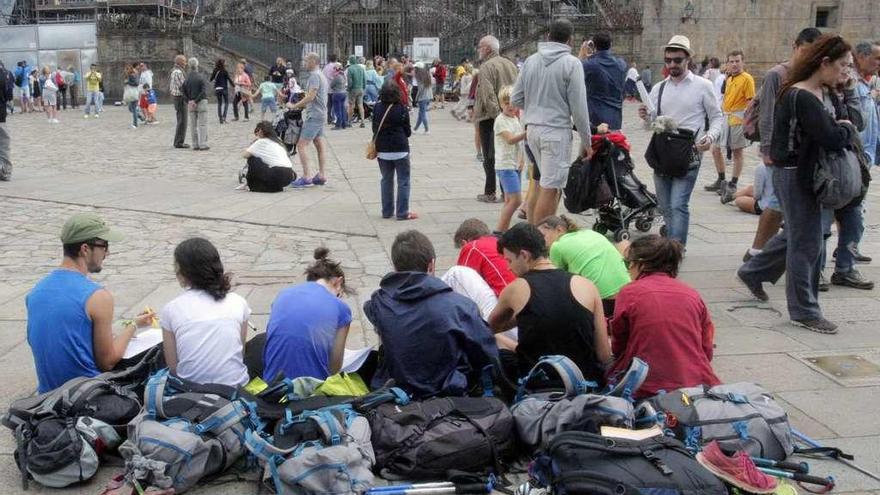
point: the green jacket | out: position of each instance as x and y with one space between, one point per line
356 75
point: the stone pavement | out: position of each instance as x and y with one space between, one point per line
159 196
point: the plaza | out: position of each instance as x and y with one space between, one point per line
157 196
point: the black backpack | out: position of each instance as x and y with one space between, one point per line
586 186
581 463
427 439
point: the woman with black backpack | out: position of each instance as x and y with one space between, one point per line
806 125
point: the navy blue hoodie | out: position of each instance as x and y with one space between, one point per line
433 339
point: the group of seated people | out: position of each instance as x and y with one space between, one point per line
533 291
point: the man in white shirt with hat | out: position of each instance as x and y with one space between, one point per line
690 101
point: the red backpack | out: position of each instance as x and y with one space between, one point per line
59 80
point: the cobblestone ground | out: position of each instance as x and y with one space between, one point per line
158 196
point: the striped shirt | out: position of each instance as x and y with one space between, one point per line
177 79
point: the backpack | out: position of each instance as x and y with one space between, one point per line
326 452
582 463
185 433
19 80
740 416
586 186
751 119
426 439
542 414
61 434
59 81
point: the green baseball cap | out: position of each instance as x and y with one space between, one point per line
84 226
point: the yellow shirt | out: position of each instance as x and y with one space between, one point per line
459 71
739 90
93 80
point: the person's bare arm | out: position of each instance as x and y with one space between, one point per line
308 98
510 302
588 296
108 350
338 351
511 138
505 342
169 346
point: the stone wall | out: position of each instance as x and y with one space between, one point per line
763 29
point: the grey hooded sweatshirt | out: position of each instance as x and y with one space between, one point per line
550 90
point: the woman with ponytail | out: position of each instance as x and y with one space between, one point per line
268 167
586 253
205 328
308 324
662 321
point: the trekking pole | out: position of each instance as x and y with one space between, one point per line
797 467
393 488
439 488
828 482
839 456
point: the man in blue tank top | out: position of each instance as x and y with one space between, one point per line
69 316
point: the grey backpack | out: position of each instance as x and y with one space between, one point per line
325 452
541 413
740 416
182 437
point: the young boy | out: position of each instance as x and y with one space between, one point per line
509 157
143 104
268 94
150 94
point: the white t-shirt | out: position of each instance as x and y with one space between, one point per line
208 336
506 155
272 153
632 74
466 281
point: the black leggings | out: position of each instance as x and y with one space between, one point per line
222 104
263 178
487 143
238 99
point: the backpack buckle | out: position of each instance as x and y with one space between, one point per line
657 462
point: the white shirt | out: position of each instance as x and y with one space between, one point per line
466 281
632 74
688 102
272 153
717 84
506 155
208 336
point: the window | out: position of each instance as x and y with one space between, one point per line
826 17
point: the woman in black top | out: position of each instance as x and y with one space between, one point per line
796 250
392 145
220 78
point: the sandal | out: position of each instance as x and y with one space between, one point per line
409 216
522 214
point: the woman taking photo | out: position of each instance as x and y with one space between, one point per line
205 328
391 132
661 321
268 167
221 80
796 250
243 84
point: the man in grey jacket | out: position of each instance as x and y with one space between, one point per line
195 91
551 91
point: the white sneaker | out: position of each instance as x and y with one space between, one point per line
133 126
56 121
86 116
96 115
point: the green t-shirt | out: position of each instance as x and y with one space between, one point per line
268 90
592 256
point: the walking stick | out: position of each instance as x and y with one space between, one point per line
831 452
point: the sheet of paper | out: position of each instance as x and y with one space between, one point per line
143 341
610 431
353 359
643 94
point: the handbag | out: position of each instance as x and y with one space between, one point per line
671 153
371 146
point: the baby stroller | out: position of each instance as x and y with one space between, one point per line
607 183
288 124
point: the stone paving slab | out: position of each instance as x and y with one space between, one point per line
158 196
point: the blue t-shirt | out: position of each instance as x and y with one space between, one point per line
59 330
302 327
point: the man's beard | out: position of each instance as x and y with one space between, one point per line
676 71
95 268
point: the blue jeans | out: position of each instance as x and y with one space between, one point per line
851 226
133 108
388 168
673 198
222 103
92 101
340 114
423 115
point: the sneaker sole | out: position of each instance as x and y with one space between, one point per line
730 479
813 329
853 286
766 297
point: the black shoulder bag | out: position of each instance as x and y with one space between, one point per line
671 153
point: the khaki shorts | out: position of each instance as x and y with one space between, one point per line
732 137
552 149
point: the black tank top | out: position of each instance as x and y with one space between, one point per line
554 322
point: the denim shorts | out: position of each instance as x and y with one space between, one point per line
312 129
268 104
510 181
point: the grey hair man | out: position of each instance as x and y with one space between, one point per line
178 77
315 105
552 93
496 72
195 91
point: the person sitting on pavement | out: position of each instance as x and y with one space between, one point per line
205 328
70 316
556 312
268 166
478 249
586 253
466 281
434 342
661 321
308 324
758 196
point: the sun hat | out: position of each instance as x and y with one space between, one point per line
679 42
84 226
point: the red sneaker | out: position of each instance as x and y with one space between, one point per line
738 470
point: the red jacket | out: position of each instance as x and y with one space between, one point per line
665 323
482 255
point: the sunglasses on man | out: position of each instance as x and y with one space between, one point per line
674 60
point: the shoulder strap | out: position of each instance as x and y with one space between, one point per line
154 394
633 379
224 418
660 97
571 376
792 121
382 122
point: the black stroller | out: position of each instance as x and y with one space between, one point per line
288 125
607 183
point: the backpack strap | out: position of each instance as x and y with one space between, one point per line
271 455
632 380
660 97
571 376
332 429
154 393
224 418
383 396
